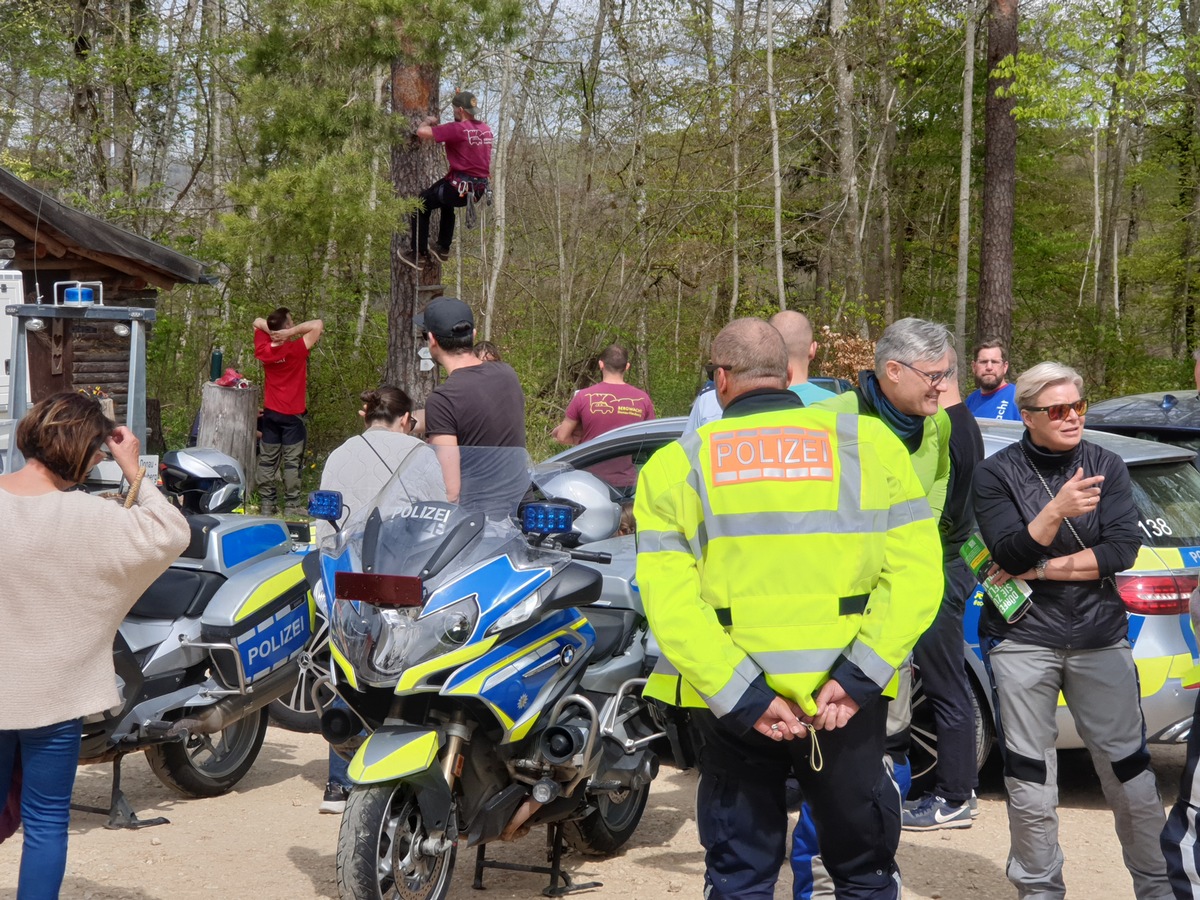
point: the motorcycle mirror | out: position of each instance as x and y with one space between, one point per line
325 505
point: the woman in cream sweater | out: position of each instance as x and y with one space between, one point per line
71 566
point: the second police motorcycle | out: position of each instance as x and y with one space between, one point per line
489 682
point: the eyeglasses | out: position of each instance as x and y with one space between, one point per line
1060 411
934 378
710 370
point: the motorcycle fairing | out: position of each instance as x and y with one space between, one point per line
516 679
392 752
252 541
497 586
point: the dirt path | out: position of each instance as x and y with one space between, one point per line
266 841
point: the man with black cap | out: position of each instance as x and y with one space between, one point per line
468 144
480 404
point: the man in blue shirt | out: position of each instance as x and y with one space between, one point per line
801 348
994 397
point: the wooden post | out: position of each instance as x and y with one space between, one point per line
229 423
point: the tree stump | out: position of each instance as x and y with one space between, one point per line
229 423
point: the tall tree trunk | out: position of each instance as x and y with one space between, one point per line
735 79
776 174
1116 159
964 181
1189 187
415 166
994 310
847 152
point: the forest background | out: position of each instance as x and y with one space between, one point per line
661 167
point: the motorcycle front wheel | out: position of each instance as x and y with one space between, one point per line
379 848
208 765
610 825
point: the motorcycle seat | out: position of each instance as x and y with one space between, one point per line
178 593
614 630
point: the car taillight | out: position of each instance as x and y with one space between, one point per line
1157 595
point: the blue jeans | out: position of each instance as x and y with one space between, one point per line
49 758
339 768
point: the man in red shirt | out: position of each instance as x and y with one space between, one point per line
283 348
468 144
602 407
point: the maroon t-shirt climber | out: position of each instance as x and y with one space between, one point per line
468 147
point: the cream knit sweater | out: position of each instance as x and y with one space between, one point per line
71 566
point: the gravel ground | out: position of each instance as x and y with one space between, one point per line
266 841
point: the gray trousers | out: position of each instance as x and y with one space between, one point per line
272 458
1101 690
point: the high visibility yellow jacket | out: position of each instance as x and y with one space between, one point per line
776 547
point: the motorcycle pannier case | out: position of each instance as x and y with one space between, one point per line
265 614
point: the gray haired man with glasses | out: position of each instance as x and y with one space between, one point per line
914 365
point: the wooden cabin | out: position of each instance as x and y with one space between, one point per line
54 243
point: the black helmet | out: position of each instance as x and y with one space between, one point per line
203 480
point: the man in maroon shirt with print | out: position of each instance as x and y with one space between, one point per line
468 143
283 348
602 407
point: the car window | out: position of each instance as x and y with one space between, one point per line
619 465
1168 498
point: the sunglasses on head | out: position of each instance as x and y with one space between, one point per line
710 370
1059 411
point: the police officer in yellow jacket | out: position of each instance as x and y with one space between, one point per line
788 561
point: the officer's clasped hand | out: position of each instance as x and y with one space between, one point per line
781 721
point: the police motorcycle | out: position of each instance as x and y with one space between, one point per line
490 684
208 645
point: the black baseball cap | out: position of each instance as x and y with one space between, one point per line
446 317
466 100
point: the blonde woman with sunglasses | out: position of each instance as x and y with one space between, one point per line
1057 512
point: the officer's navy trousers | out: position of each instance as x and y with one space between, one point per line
741 808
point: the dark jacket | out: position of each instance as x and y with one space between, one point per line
1008 495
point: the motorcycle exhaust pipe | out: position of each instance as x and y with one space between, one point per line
225 712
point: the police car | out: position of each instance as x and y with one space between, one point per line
1156 590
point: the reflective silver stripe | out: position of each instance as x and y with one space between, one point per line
664 667
871 663
790 662
821 521
662 541
906 511
726 699
850 482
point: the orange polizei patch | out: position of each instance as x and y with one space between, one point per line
771 454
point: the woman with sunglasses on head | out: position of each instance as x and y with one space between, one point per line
1057 511
71 566
359 469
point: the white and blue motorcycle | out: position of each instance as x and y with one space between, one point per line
490 684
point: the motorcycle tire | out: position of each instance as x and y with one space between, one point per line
378 827
605 830
295 711
188 769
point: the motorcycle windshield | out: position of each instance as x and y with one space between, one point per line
409 529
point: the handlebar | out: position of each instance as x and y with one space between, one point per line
590 556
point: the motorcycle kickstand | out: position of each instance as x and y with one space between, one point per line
554 852
120 813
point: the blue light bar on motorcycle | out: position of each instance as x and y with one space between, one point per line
378 590
326 505
546 518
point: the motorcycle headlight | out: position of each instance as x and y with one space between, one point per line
382 642
518 613
320 598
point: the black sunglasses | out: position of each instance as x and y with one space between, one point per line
1059 411
710 370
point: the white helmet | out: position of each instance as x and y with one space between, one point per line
601 516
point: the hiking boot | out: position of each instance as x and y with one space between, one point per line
438 252
334 803
266 508
296 512
933 812
409 258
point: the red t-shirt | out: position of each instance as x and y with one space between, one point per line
285 374
468 147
